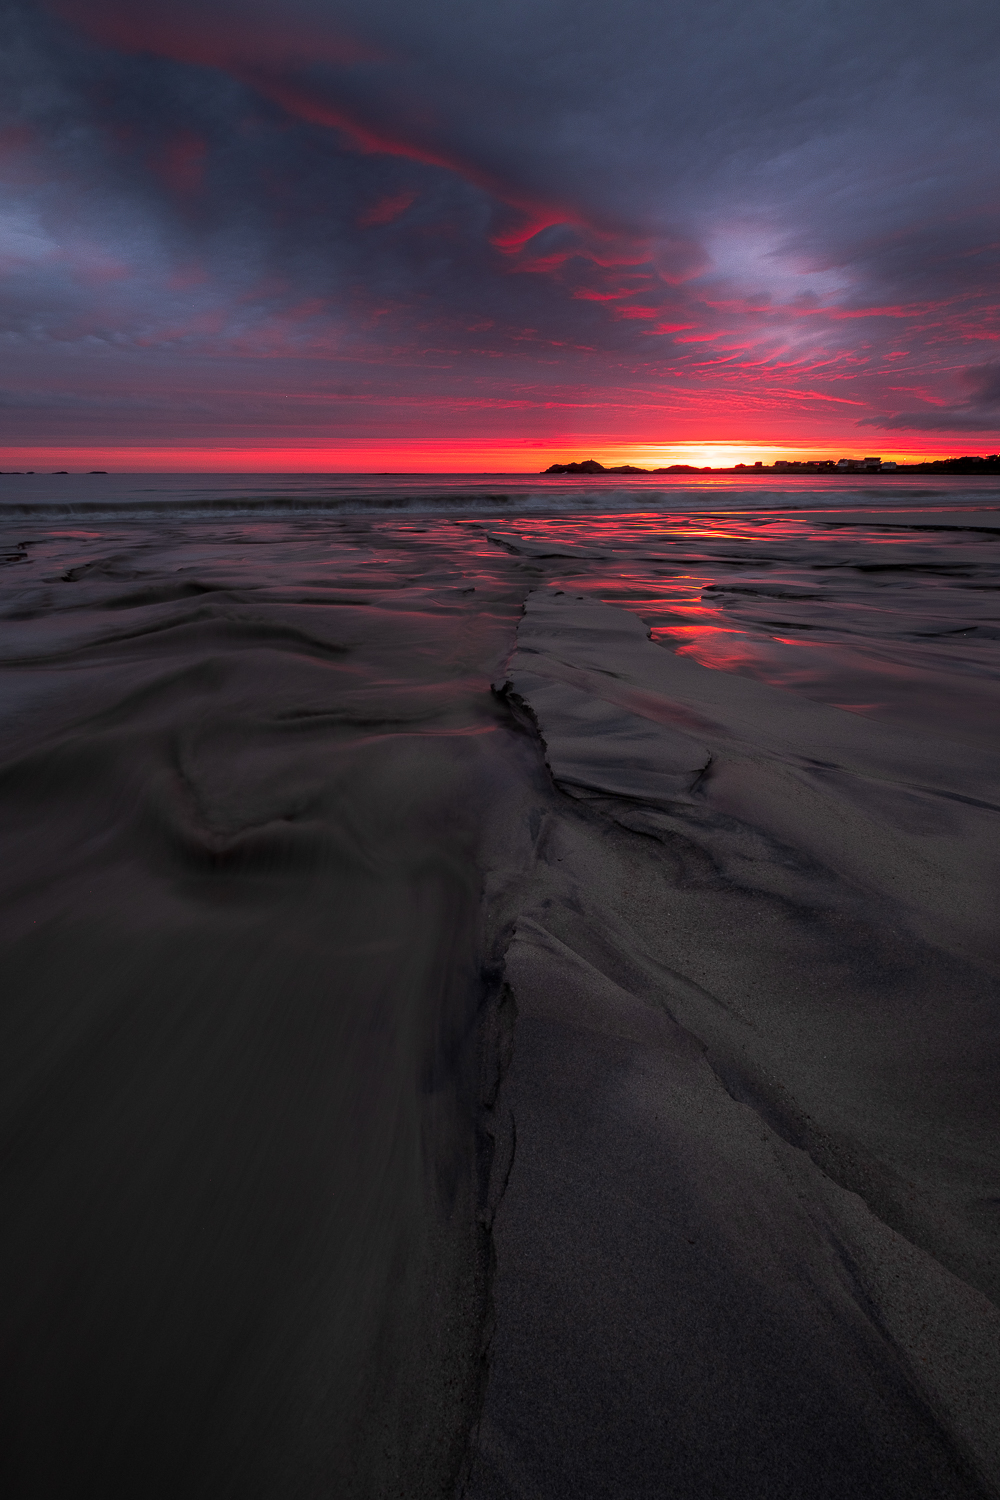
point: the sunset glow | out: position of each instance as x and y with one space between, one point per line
263 237
425 458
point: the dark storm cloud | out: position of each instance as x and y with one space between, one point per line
984 383
734 198
979 411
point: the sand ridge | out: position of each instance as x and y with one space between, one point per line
731 1119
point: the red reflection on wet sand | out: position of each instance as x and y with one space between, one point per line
727 650
883 612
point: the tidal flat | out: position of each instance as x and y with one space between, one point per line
500 988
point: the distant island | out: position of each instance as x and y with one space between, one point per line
967 465
591 466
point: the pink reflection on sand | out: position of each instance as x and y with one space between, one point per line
726 650
880 612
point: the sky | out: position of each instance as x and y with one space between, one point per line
491 234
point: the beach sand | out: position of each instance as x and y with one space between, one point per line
456 1044
748 1244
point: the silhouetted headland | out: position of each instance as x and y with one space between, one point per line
966 465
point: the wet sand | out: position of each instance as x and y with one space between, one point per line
455 1043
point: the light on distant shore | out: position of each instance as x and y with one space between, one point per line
728 455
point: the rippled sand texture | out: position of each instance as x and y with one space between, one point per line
247 783
583 1085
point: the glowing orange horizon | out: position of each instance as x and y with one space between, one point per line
528 456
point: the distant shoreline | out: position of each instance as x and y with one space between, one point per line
812 467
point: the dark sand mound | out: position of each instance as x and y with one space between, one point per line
751 771
748 1242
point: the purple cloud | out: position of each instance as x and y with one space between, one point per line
724 216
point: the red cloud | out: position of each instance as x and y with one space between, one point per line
386 209
272 60
279 61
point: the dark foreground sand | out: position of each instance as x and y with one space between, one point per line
580 1088
748 1247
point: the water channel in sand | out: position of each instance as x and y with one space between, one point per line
296 1207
